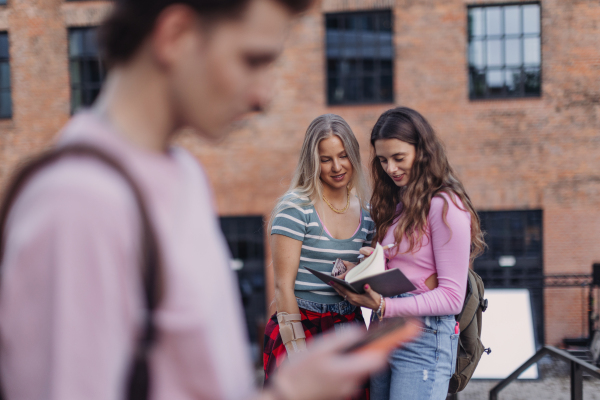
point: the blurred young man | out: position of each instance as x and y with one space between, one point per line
71 295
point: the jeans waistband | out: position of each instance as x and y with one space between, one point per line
342 308
402 295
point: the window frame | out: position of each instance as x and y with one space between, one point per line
83 86
524 241
520 94
377 74
245 238
9 89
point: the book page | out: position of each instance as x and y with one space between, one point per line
372 265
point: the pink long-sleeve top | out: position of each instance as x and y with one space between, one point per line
71 295
445 250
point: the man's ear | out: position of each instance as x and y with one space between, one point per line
173 31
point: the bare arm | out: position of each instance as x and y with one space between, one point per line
286 259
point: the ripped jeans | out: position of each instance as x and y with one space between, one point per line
421 369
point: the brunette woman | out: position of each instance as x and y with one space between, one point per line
420 205
321 218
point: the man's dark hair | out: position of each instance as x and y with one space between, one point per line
132 20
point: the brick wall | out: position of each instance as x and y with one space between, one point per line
540 153
39 71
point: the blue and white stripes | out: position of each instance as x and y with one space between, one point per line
319 250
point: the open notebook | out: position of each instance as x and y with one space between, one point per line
372 271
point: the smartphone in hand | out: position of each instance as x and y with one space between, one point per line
338 267
386 337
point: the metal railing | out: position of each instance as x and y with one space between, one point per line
577 368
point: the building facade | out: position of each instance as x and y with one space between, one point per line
512 88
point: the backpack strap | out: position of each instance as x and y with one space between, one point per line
138 387
468 294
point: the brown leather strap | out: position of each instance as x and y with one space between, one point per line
139 378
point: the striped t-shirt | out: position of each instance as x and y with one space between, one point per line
319 249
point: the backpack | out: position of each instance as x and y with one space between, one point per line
470 347
138 379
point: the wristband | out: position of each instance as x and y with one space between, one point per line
379 311
291 329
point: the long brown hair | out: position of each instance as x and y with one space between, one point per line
430 176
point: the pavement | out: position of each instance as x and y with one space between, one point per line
555 388
554 384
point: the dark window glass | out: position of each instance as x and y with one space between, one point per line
2 2
504 51
245 237
5 91
360 57
514 257
85 68
515 233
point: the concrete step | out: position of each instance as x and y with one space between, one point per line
584 355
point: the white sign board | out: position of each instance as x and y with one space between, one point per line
366 312
508 331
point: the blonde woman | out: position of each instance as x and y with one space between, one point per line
321 218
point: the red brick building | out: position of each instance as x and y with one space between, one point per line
518 107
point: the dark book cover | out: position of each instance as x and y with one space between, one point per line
389 283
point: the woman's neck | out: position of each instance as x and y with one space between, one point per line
335 195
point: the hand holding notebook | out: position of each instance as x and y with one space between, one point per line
386 247
371 271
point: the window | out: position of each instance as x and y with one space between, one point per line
360 58
513 258
5 97
245 237
2 2
504 51
515 233
85 69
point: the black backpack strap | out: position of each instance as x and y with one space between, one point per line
139 376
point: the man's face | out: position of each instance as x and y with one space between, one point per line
223 70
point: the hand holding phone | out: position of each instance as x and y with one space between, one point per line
386 337
338 267
325 371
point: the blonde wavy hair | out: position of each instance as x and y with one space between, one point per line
306 184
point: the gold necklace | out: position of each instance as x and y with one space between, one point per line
343 210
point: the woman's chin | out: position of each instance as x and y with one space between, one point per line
401 183
337 185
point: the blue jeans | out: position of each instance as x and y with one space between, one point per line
421 369
342 308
